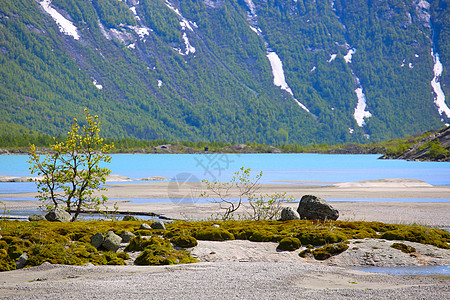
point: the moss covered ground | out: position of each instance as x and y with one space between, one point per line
69 243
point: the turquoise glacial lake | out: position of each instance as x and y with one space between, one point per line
276 168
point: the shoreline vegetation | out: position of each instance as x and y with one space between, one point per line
432 145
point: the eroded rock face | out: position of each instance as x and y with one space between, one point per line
288 213
315 208
58 215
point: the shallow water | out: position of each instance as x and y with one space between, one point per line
414 270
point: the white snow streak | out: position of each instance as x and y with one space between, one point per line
348 56
360 110
189 47
160 83
184 23
439 100
99 86
332 57
65 26
141 31
278 76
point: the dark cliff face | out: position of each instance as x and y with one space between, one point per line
236 71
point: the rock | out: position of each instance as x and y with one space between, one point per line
97 240
36 217
215 225
58 215
126 236
158 225
130 218
288 213
112 241
145 226
315 208
22 261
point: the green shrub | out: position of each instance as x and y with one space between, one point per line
404 248
261 236
289 244
213 234
6 263
305 253
184 241
329 250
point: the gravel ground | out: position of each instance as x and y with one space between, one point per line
218 280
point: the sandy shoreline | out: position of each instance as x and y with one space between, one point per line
247 270
181 200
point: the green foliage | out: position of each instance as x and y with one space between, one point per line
184 241
328 251
289 244
230 195
112 13
6 262
404 248
160 252
224 92
71 173
213 234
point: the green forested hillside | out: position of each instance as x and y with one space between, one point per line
198 69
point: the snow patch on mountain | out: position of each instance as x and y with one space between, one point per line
278 76
65 26
349 55
97 85
439 99
189 47
360 109
332 57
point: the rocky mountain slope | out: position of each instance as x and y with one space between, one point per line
270 71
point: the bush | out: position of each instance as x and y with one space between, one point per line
328 251
404 248
184 241
289 244
6 263
214 234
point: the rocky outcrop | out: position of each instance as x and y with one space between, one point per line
58 215
315 208
288 213
434 146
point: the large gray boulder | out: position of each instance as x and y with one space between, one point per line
158 225
97 240
288 213
126 236
36 217
112 241
58 215
22 261
145 226
315 208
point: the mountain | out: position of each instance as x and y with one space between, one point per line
267 71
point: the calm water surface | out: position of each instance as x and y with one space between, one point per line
317 168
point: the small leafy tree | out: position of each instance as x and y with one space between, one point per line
243 187
70 173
